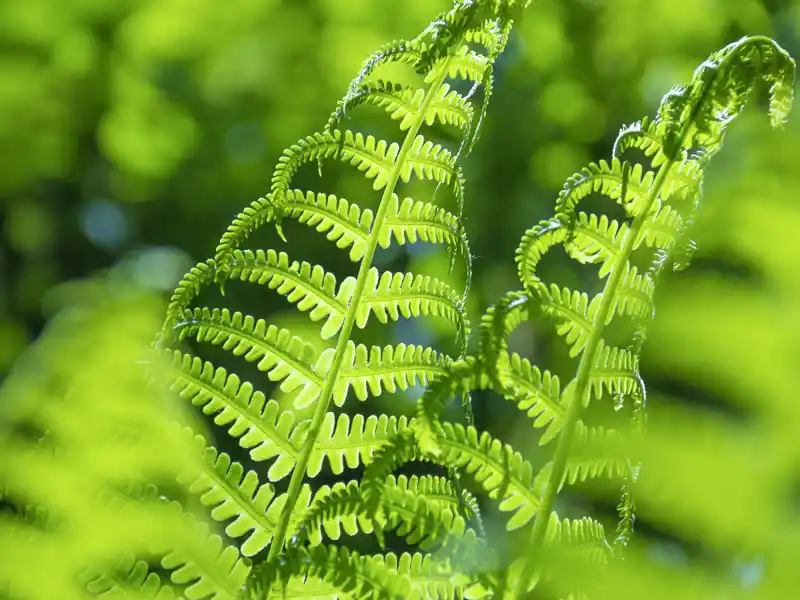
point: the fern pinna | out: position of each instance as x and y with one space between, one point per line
660 195
460 45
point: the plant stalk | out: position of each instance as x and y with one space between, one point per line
588 359
298 474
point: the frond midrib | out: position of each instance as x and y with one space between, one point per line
590 355
327 391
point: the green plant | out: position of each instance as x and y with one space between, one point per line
275 541
76 480
461 44
660 200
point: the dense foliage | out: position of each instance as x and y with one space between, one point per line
245 490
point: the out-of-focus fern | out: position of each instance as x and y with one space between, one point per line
660 197
460 46
84 439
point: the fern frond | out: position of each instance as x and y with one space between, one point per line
449 107
616 369
309 286
460 377
198 277
207 567
574 312
376 158
285 358
343 222
490 35
303 587
266 432
635 295
585 535
403 52
596 454
130 578
351 441
687 132
409 221
502 473
422 519
465 64
663 230
535 392
356 575
721 86
258 425
250 509
534 245
442 52
371 370
606 179
392 295
647 135
404 103
431 579
258 213
387 295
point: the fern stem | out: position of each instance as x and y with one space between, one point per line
324 399
589 357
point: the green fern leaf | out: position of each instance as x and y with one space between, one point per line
351 441
358 576
343 223
429 578
236 496
421 518
411 220
404 104
376 158
131 578
308 286
392 295
370 370
688 131
257 424
464 64
442 52
285 358
616 369
597 453
584 534
503 473
202 563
